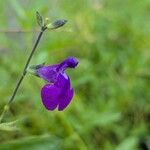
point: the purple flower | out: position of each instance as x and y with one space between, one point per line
58 92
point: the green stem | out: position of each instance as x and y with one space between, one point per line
6 107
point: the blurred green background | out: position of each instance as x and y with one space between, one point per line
111 106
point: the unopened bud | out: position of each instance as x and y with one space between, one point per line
57 24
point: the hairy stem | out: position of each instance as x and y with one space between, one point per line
6 107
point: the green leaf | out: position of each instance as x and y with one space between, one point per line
45 142
128 144
9 126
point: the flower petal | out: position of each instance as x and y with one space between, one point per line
50 96
63 81
70 62
65 99
48 73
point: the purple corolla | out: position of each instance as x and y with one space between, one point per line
58 91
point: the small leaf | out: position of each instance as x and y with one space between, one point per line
39 19
9 126
46 142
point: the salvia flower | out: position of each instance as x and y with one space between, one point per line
58 91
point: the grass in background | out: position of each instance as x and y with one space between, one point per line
111 106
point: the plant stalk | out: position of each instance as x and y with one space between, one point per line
6 107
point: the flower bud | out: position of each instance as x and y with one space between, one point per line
57 24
